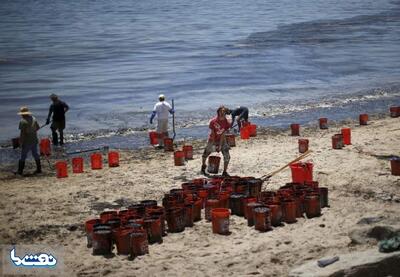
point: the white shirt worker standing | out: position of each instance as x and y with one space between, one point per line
161 109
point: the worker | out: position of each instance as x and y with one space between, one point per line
58 109
28 139
242 113
161 110
217 140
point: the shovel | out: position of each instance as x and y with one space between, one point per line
103 149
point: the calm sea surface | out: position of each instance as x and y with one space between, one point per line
109 60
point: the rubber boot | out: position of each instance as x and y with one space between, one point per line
38 167
55 137
21 165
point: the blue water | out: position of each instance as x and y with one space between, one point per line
110 59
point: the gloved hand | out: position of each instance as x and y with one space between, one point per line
172 111
48 121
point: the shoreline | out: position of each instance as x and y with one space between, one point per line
358 178
84 142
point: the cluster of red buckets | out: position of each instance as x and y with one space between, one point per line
96 162
133 229
343 138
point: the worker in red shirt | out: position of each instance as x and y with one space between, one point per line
217 140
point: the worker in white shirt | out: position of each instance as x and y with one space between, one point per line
161 109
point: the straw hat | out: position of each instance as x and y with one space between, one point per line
24 111
161 97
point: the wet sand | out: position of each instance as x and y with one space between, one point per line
44 209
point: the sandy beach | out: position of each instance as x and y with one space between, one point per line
45 209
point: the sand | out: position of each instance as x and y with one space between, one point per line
44 209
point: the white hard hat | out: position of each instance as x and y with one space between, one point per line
161 96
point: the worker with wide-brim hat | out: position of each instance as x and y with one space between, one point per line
28 139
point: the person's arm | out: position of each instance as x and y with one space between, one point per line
21 133
36 125
49 115
153 114
66 107
233 120
170 109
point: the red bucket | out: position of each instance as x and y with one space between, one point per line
168 144
295 128
262 219
198 205
323 123
113 159
210 204
179 158
395 166
230 139
289 211
175 220
152 225
394 111
346 132
105 216
303 145
61 169
249 212
276 213
363 119
188 150
153 137
122 239
96 161
139 243
77 165
253 130
220 221
45 149
213 164
312 205
189 217
337 141
302 172
89 224
244 132
102 242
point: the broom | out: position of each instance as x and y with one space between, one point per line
302 156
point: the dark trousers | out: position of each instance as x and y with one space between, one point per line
57 126
25 149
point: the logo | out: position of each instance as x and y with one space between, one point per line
40 260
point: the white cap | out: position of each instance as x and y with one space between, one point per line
161 96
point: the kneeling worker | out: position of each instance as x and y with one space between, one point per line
217 140
242 113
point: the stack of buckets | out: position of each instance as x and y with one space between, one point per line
96 162
180 156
